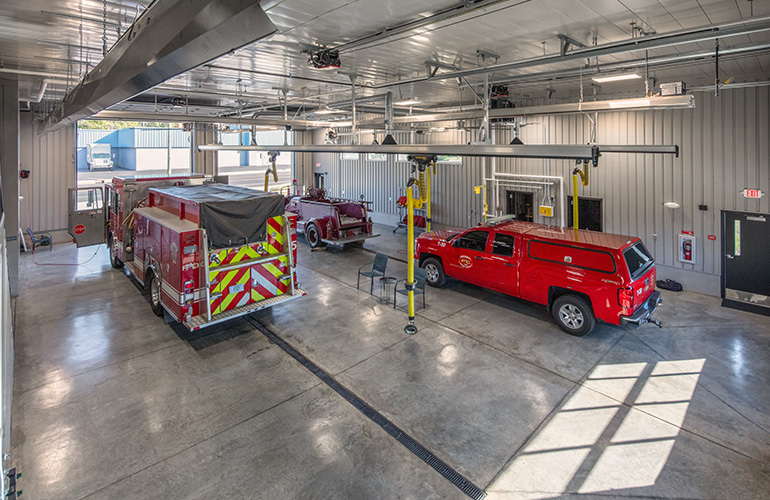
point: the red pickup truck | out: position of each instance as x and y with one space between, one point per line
581 276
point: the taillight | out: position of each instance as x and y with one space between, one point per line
626 298
189 291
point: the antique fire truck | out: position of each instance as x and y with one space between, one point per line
206 252
330 221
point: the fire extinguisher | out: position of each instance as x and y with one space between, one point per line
687 249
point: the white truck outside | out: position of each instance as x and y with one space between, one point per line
99 157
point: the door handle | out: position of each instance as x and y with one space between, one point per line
478 258
729 256
509 265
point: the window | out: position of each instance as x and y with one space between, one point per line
350 156
449 159
503 245
638 259
88 199
474 240
402 157
377 157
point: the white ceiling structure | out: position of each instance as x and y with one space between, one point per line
391 45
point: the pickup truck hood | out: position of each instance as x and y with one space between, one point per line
441 234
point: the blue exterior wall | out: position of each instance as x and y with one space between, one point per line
126 143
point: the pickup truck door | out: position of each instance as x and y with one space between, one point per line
467 256
502 264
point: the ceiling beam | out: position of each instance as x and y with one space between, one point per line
169 38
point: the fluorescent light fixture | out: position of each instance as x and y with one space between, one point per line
672 205
329 112
407 102
616 77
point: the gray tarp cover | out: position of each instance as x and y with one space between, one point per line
231 215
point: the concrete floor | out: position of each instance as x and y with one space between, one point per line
110 403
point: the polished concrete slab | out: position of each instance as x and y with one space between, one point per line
111 403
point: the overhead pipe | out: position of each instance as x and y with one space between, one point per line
654 62
389 139
703 34
353 95
465 7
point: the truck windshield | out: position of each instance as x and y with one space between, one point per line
101 155
638 259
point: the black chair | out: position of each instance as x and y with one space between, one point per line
377 270
43 239
420 278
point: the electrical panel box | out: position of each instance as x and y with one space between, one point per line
674 88
546 211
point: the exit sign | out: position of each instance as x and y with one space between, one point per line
752 193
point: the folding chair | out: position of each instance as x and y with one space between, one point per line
43 239
377 270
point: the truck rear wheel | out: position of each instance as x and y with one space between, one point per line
155 304
312 236
115 262
573 314
434 272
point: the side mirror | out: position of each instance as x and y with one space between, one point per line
455 241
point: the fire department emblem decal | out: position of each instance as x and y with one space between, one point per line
466 261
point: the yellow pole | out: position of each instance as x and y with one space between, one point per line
486 208
584 179
575 200
410 328
427 210
272 168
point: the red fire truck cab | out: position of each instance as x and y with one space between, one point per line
206 252
581 276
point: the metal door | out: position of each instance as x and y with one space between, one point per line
86 215
745 261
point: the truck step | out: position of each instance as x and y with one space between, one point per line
198 322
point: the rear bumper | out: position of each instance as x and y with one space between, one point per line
644 312
349 239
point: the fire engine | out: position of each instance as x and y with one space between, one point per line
206 252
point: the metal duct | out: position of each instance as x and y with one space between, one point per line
169 38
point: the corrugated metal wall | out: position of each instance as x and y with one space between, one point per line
724 149
50 158
137 137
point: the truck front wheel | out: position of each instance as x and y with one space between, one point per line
434 272
573 314
312 236
115 262
155 304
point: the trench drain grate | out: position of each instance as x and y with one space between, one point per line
450 474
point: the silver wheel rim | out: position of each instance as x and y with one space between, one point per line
431 272
571 316
112 250
155 291
312 236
